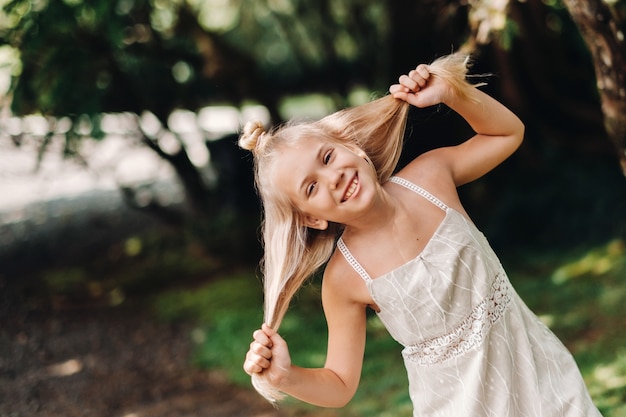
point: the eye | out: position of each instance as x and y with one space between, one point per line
327 157
311 188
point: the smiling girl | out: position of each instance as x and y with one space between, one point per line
405 247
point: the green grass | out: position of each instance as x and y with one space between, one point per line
579 294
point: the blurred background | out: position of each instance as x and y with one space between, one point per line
129 221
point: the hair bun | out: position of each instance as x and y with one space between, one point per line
252 133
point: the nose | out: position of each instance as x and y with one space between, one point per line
334 176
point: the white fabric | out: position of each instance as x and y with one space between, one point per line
472 347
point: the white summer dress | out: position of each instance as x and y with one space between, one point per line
471 346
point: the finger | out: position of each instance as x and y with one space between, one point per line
401 95
423 71
405 95
255 367
268 330
411 97
418 78
261 337
261 350
408 82
397 88
254 359
250 367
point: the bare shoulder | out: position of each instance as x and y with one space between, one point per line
432 172
341 283
429 165
339 274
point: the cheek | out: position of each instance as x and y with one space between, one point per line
321 203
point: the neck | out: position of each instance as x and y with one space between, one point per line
380 216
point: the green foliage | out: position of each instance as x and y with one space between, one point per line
236 295
97 56
91 57
137 265
64 281
227 311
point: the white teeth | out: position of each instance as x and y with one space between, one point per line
350 190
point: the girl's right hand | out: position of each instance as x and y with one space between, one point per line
269 355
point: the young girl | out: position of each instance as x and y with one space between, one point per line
404 247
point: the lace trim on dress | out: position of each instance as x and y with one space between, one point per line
352 260
407 184
419 190
470 333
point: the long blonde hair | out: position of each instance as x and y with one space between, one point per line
293 252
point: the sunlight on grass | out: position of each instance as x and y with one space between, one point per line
226 310
607 385
211 303
581 296
596 262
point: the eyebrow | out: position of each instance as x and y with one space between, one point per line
304 182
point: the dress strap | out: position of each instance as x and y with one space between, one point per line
419 190
352 261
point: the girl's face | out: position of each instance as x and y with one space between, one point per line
326 181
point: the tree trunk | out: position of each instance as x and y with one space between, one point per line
601 32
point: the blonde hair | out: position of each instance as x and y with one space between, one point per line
294 252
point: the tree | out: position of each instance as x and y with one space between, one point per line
83 58
602 27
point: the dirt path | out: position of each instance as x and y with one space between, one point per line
109 363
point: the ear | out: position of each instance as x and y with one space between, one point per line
315 223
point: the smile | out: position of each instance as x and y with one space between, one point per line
351 189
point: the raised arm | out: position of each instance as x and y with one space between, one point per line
499 132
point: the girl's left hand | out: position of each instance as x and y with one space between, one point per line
268 354
419 88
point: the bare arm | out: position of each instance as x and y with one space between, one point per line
499 132
334 384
